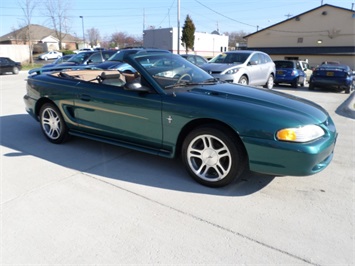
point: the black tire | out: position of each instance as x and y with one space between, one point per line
52 124
311 87
243 80
270 82
15 70
347 89
294 84
213 157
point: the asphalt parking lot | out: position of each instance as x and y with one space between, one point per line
85 202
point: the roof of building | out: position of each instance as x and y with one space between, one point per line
38 33
299 15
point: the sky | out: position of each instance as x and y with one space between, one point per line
133 16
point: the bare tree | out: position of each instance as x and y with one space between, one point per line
236 39
28 7
94 36
57 13
122 40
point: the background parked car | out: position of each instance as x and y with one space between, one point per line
290 72
99 57
77 59
59 60
195 59
50 55
8 65
244 67
336 76
83 50
115 61
89 58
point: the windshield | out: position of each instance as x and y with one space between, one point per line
120 54
170 70
284 64
80 58
230 58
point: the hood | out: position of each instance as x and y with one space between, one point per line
270 106
217 67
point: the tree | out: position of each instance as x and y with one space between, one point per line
188 34
94 36
122 40
56 11
236 39
28 7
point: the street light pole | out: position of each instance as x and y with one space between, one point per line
82 23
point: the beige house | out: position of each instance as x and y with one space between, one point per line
325 33
43 38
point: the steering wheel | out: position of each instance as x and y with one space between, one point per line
184 76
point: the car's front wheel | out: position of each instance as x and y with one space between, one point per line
270 82
213 156
243 80
52 124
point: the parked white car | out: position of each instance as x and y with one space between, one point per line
83 50
50 55
244 67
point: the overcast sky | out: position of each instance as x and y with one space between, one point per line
132 16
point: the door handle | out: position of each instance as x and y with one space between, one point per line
85 97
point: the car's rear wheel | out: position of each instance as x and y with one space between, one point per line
295 83
270 82
213 156
15 70
243 80
52 124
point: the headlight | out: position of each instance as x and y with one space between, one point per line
300 134
232 71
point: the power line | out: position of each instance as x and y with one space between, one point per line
224 15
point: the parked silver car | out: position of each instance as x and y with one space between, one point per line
243 67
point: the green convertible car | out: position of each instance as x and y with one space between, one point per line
164 105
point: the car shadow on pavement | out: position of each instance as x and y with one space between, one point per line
112 164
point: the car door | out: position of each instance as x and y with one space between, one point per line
114 112
6 65
255 70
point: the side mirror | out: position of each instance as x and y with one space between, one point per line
253 63
136 86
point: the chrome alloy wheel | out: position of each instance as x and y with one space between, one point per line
51 123
209 158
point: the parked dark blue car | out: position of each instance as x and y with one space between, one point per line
336 76
290 72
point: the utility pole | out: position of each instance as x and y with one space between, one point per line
82 23
178 27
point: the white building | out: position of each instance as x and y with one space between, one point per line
206 44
